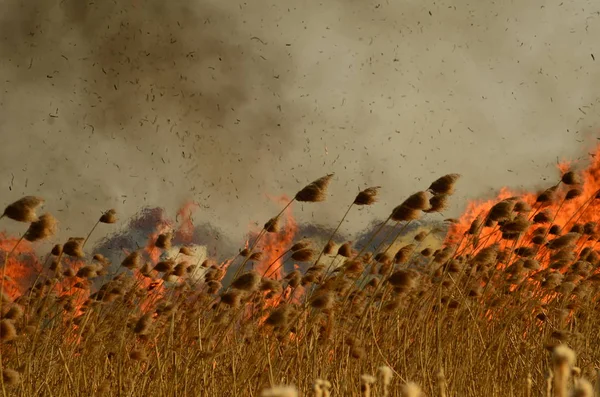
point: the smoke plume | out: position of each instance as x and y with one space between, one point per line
131 103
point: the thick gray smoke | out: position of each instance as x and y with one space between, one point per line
132 103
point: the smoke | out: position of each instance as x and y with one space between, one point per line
137 103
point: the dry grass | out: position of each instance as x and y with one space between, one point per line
479 316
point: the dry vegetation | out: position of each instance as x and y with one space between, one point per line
490 313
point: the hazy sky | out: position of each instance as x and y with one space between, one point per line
132 103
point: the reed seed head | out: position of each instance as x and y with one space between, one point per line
570 178
109 216
247 282
367 196
280 391
445 184
24 209
73 247
303 255
8 331
272 225
315 191
164 240
10 377
41 229
132 261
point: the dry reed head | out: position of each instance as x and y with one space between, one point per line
411 389
8 331
570 178
164 266
142 326
57 250
416 201
164 240
329 248
280 391
187 251
563 241
272 225
322 301
501 211
573 193
367 196
403 253
23 210
303 255
74 248
109 216
279 316
563 360
315 191
132 261
547 196
583 388
300 245
444 185
403 280
247 282
41 229
437 203
138 354
385 375
365 384
345 250
420 236
10 377
404 214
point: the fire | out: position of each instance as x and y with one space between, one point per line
274 245
582 209
22 265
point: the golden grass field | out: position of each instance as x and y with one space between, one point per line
498 310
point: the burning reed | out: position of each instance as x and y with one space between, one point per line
515 278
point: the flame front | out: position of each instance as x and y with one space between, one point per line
565 213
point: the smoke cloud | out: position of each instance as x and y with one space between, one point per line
138 103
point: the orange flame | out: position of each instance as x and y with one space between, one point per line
21 267
566 213
274 245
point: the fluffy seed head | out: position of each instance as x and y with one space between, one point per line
132 261
10 377
303 255
8 331
164 240
583 388
109 216
23 210
280 391
416 201
445 184
272 225
438 203
315 191
563 355
247 282
367 196
411 389
73 247
570 178
41 229
345 250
